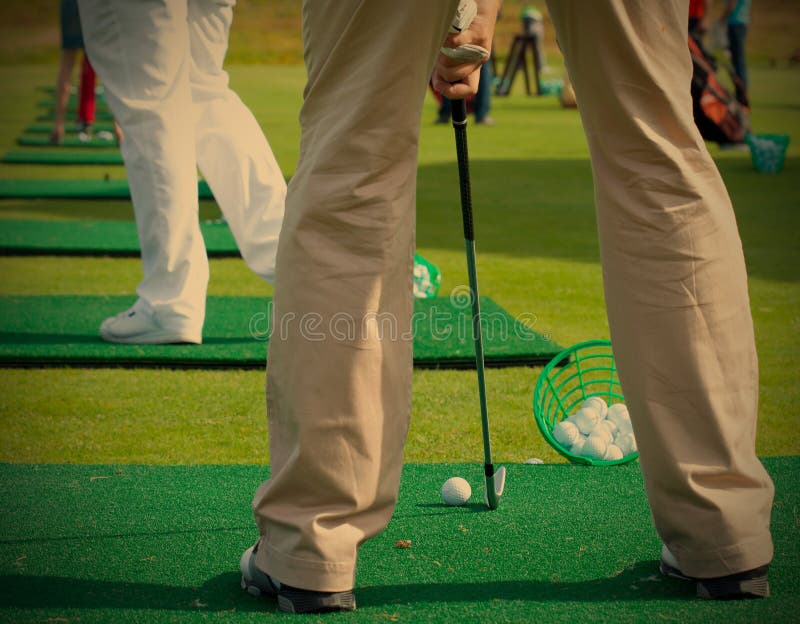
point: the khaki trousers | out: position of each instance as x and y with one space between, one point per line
675 282
340 359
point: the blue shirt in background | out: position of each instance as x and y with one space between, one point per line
740 13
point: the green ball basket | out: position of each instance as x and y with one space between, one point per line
768 151
583 370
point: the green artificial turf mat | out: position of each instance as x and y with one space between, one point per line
70 128
75 189
74 100
69 141
100 115
58 156
108 238
132 543
63 330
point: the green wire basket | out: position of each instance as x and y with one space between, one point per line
768 151
583 370
427 278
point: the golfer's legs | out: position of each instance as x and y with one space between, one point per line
141 52
675 283
340 361
232 152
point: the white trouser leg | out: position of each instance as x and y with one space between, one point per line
141 52
232 152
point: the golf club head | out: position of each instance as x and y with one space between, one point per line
495 485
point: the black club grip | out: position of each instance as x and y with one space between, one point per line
459 112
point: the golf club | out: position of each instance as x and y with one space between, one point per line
495 481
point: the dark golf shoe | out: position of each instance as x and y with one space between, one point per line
290 599
749 584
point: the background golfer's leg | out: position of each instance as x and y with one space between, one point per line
141 52
340 360
675 283
232 152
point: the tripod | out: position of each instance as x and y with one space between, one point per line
518 60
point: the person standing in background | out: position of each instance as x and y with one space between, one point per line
737 17
698 12
162 65
71 44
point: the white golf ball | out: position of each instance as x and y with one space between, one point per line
595 447
534 460
613 452
611 426
616 411
456 491
597 403
577 447
618 414
585 419
601 430
565 433
626 443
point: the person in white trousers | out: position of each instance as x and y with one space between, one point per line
162 65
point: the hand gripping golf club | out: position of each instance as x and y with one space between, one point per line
495 481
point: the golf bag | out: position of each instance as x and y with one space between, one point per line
719 116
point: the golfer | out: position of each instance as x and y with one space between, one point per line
675 287
162 65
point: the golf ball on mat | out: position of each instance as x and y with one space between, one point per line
456 491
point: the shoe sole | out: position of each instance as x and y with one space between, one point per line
733 589
300 601
152 338
721 589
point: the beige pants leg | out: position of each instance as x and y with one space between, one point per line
675 282
141 52
233 154
340 360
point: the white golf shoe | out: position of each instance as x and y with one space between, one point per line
139 325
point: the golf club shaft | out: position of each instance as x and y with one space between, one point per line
459 112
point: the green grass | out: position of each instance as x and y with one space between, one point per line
537 254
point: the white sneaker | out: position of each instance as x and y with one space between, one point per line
138 325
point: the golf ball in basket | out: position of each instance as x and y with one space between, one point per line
626 443
456 491
565 433
613 452
577 447
597 403
595 447
585 419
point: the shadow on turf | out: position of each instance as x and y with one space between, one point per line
222 593
545 208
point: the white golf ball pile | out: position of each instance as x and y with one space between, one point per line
597 431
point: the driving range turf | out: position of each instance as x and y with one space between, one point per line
161 542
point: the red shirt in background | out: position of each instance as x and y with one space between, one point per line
697 9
